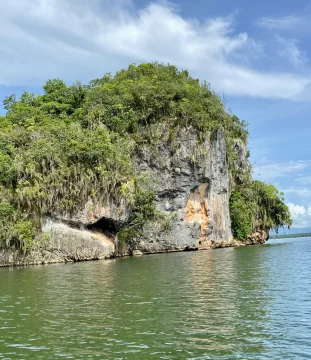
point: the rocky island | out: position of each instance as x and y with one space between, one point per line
145 161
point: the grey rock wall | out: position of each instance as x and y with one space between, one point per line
192 186
191 180
61 244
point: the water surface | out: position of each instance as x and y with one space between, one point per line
245 303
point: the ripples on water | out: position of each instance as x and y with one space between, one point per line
246 303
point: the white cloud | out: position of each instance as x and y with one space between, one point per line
269 171
296 210
304 193
290 51
84 39
301 215
290 22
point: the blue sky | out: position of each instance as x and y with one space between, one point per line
256 53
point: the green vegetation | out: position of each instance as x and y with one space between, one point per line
241 214
71 144
256 205
142 209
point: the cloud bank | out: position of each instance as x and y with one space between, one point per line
77 39
301 215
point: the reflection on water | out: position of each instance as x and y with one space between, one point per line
247 303
235 289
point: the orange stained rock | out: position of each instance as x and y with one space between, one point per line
197 209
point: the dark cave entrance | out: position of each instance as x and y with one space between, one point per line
106 226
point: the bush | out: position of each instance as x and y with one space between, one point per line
256 205
241 216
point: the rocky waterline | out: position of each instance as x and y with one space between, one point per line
69 249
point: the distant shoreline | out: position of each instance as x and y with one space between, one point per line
286 236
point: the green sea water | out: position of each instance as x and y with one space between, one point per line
243 303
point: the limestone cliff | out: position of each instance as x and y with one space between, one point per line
192 185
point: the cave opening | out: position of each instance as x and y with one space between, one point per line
106 226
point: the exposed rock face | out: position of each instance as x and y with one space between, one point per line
137 253
241 164
77 244
92 212
258 237
62 244
193 187
197 209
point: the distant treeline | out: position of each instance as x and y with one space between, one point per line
284 236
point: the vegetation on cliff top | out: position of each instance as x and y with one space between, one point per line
73 143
